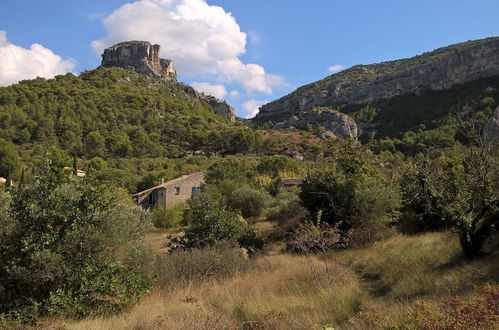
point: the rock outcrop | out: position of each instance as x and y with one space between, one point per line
491 129
367 84
221 108
142 56
331 122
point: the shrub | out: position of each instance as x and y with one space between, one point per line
286 206
457 313
210 223
168 216
249 201
183 267
70 248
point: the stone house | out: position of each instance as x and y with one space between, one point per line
285 183
174 191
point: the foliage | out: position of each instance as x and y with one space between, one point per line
351 194
6 222
210 223
249 201
69 249
458 189
9 159
232 167
273 165
108 112
286 206
168 216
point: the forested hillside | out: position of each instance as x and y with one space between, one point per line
107 112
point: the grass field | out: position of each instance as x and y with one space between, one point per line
405 282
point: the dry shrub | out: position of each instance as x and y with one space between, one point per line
481 312
181 268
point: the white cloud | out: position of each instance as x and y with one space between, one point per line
335 68
17 63
234 94
202 40
218 91
252 107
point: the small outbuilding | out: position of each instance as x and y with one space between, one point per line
288 183
174 191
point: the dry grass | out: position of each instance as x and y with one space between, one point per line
373 288
276 294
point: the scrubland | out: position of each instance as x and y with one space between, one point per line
404 282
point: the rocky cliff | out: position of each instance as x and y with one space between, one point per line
142 56
366 84
329 123
220 107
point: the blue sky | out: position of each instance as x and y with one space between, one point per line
257 50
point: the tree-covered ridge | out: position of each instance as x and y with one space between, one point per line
105 112
364 74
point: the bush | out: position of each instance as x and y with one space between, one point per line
287 205
69 251
210 223
199 264
249 201
168 216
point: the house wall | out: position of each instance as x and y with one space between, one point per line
166 194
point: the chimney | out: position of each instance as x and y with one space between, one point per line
162 180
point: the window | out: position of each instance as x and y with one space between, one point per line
195 190
177 190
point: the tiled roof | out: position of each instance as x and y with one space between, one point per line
291 181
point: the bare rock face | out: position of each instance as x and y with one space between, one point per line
491 129
221 108
142 56
334 124
366 84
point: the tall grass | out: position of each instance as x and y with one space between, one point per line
380 287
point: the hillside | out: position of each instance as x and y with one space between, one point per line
433 75
110 112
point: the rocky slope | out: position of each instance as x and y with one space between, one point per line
330 124
366 84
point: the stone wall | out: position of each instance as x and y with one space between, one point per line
174 191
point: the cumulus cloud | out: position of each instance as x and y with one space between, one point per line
218 91
17 63
251 107
335 68
202 40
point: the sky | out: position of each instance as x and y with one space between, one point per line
247 52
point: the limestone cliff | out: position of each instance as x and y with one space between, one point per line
142 56
366 84
221 108
332 124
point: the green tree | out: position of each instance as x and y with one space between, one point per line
9 159
71 249
210 223
95 144
458 190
